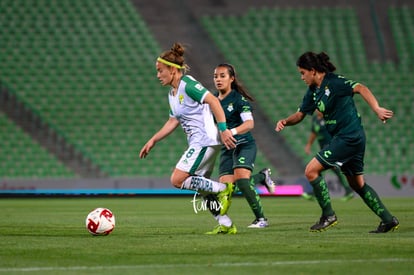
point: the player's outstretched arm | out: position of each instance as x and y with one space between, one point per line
382 113
289 121
167 129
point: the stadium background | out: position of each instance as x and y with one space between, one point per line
79 95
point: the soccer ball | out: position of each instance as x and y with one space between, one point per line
100 221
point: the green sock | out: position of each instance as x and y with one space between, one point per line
342 180
258 178
374 202
320 189
251 195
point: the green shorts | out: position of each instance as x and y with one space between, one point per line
345 153
243 156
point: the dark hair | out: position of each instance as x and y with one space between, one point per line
320 62
176 55
236 85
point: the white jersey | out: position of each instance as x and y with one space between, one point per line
195 117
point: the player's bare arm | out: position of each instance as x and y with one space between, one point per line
167 129
382 113
311 140
226 136
245 127
289 121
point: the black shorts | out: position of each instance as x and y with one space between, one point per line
345 153
243 156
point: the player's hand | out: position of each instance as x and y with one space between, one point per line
384 114
280 125
146 149
228 140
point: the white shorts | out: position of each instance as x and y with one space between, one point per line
199 160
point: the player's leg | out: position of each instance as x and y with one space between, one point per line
225 224
313 173
349 193
243 160
223 199
374 202
354 170
192 170
242 176
263 178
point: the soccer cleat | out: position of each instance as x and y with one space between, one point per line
268 182
347 196
386 227
222 229
324 223
259 223
224 198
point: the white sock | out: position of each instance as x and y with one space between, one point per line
202 184
224 220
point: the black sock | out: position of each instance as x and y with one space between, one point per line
251 195
373 201
320 189
257 178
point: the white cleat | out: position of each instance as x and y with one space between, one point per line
268 182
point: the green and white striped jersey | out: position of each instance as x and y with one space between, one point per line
195 117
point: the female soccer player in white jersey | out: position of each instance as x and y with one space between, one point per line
192 106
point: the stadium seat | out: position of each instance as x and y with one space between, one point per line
21 157
87 67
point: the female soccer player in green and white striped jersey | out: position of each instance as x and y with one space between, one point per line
194 108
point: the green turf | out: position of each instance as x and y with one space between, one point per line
165 236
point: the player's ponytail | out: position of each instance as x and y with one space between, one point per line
174 57
324 62
319 62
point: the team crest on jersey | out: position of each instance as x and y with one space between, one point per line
230 107
181 99
327 92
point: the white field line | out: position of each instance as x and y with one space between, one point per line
240 264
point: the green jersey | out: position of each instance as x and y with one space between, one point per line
319 128
335 100
234 105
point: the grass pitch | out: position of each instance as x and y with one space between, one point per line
165 236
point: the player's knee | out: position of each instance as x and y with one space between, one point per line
243 185
176 184
177 180
310 173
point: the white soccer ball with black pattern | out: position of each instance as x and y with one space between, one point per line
100 221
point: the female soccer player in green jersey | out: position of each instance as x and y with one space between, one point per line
236 164
333 95
192 106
